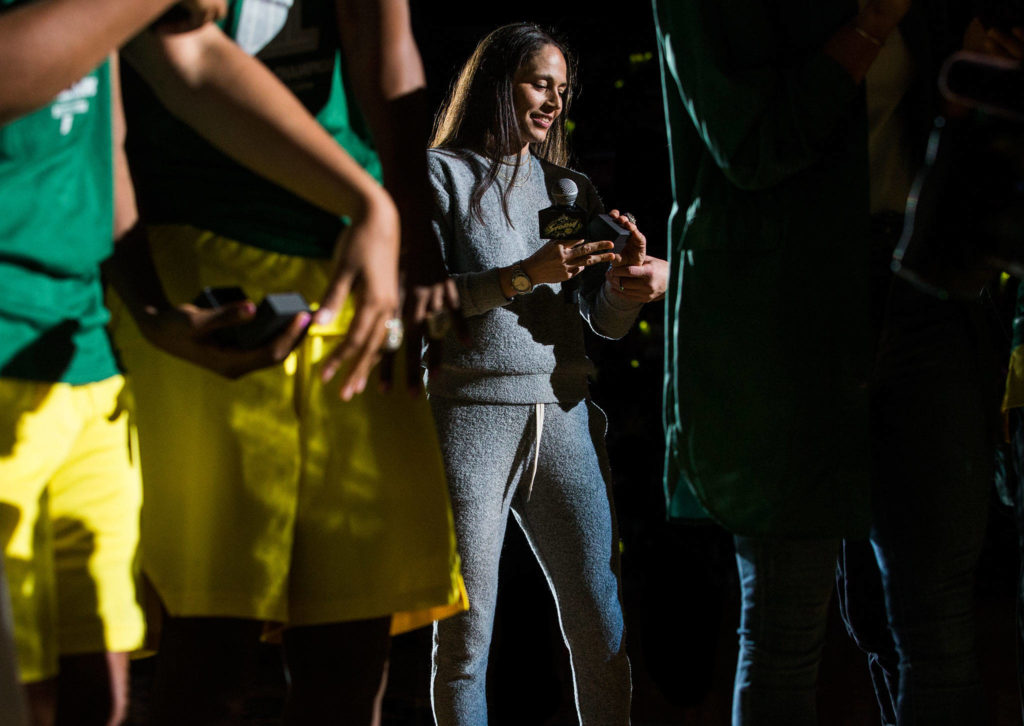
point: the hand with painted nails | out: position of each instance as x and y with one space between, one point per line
561 260
365 267
430 305
188 332
642 283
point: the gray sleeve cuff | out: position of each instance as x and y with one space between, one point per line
611 317
480 292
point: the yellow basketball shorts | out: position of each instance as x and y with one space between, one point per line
69 521
268 497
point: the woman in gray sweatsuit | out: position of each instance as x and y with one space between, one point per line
517 427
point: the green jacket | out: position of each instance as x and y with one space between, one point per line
767 315
769 342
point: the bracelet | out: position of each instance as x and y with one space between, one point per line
868 36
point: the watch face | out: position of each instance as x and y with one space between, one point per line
521 283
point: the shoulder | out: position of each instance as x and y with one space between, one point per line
455 167
460 159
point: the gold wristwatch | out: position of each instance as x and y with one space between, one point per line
521 282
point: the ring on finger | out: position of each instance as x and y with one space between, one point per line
439 323
395 333
631 218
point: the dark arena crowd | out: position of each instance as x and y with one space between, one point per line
383 363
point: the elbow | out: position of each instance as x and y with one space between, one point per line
753 175
762 159
26 86
11 110
749 181
22 93
767 159
176 67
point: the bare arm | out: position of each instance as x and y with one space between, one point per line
388 81
239 106
855 46
181 330
46 46
389 84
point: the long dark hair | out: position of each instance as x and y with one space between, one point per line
479 113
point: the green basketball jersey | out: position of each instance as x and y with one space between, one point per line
56 227
182 179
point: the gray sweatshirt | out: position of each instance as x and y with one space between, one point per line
529 349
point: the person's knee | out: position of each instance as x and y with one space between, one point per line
41 699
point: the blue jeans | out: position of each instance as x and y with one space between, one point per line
785 587
932 400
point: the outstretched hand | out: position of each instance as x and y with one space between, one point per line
431 305
636 277
559 260
639 283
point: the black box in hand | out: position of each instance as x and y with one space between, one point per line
272 316
603 227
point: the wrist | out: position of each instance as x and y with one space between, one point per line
520 281
874 22
505 278
377 209
149 319
528 268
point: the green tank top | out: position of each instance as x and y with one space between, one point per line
184 180
56 227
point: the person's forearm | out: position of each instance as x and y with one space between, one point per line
130 270
240 107
388 81
855 46
46 46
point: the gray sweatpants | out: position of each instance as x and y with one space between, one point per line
491 456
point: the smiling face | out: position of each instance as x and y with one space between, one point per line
538 93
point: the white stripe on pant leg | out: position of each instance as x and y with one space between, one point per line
539 415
